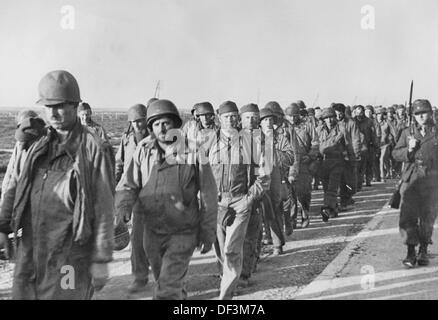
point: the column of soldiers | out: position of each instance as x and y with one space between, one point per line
229 180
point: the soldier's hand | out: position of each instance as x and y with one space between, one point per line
100 274
412 144
4 245
291 179
205 247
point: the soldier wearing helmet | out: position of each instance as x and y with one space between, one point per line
387 140
308 150
200 132
84 114
284 128
334 148
370 144
137 131
176 221
240 184
353 145
63 202
417 148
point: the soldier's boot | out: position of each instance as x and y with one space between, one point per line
411 258
325 213
137 286
277 251
423 259
305 219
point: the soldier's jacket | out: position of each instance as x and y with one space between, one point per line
91 187
237 174
367 128
287 130
393 129
199 139
402 123
124 154
332 142
424 159
167 187
352 138
386 133
308 141
98 130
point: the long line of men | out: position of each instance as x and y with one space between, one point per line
230 179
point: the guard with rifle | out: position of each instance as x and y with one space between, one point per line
417 147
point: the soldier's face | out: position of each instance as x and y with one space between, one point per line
390 116
85 116
401 112
206 119
379 116
250 120
360 114
139 125
368 113
296 119
61 116
267 124
423 118
160 127
330 121
229 120
339 115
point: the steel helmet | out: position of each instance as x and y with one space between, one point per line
328 112
421 106
161 108
121 236
203 108
84 106
275 108
137 112
293 110
57 87
150 101
266 112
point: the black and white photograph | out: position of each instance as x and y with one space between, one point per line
246 150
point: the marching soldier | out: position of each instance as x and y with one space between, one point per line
84 113
238 191
352 157
333 148
250 117
62 201
308 150
369 145
130 140
282 155
284 128
167 187
386 143
419 202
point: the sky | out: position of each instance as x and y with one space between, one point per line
217 50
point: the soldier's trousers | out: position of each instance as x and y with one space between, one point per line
229 251
250 246
384 161
289 203
169 255
348 181
303 188
139 259
365 168
273 220
331 173
418 209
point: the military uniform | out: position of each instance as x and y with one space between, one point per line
139 259
369 145
419 187
176 222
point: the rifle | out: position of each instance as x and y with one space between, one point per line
394 202
411 117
